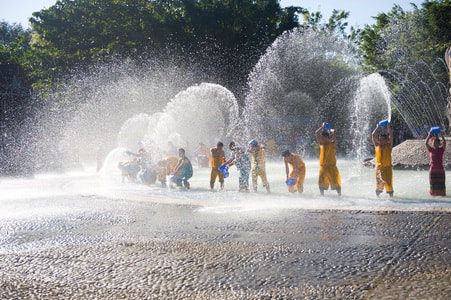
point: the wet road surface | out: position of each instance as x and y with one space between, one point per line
101 247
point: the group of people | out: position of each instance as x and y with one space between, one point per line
329 175
251 162
382 137
138 168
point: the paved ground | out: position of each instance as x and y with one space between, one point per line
122 249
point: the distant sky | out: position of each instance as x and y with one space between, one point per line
361 11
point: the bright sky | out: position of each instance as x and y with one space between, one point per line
361 11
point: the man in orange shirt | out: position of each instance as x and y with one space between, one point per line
216 160
295 171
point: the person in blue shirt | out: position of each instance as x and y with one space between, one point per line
186 170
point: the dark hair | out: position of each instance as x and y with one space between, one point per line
232 143
182 150
219 144
286 153
325 133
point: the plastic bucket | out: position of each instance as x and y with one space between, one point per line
291 182
383 123
327 126
435 130
224 170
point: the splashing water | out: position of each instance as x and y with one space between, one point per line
307 78
304 79
93 106
203 113
419 96
371 104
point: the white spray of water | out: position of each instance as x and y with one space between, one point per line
204 113
371 104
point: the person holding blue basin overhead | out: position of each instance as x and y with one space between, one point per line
382 137
295 171
437 186
328 171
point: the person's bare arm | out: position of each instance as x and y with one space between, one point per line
286 168
177 167
318 133
374 136
426 142
390 134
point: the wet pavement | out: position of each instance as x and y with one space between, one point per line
113 248
75 236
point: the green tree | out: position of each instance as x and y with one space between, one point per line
438 14
14 41
407 48
400 37
336 22
226 37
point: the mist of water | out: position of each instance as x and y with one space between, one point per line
419 96
87 113
371 104
205 113
306 78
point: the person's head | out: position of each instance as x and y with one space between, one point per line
325 137
220 145
384 138
437 142
181 152
325 134
286 153
232 146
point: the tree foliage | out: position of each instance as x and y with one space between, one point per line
336 22
226 35
407 48
400 37
14 42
